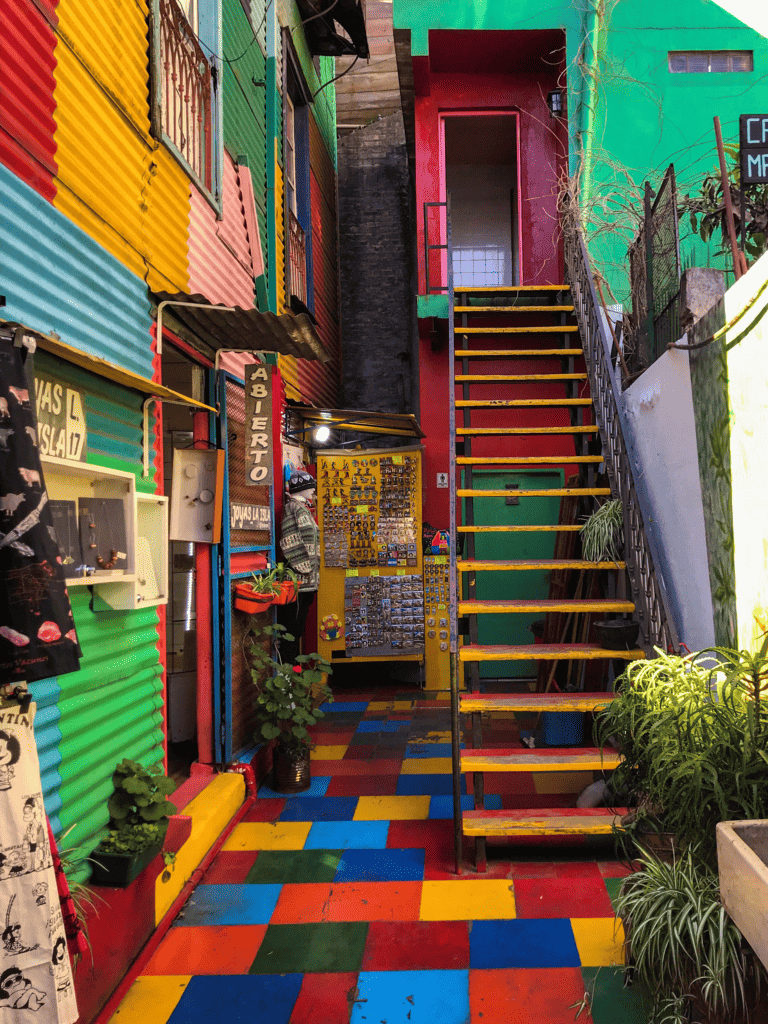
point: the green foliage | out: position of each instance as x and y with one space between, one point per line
265 583
284 703
601 534
680 942
139 796
693 732
131 840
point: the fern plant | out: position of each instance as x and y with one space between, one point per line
601 534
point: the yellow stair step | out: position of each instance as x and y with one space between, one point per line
557 492
562 528
523 564
536 460
529 702
514 353
544 652
544 605
556 329
544 759
543 821
509 431
480 377
513 309
510 289
518 403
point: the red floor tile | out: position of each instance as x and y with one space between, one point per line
223 949
324 999
543 995
562 897
361 785
265 809
345 767
436 839
313 902
613 869
230 866
433 703
417 946
332 739
360 752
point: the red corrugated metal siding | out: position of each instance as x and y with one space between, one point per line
319 383
27 60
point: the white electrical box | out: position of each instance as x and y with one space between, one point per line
197 492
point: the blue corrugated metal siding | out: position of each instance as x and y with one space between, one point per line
56 278
46 693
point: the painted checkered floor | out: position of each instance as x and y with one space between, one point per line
340 906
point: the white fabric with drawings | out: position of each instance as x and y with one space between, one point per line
35 971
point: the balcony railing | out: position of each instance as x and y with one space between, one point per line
185 93
297 249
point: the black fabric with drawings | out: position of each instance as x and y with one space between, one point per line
68 536
102 533
37 632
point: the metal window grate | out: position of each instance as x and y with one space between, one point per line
698 62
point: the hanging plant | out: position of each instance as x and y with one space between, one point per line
602 533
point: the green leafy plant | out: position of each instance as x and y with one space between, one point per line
287 694
131 840
86 900
601 534
265 583
283 573
139 796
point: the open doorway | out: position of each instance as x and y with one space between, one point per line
481 174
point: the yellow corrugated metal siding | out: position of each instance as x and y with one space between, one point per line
115 181
288 364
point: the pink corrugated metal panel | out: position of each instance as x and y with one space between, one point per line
251 220
27 60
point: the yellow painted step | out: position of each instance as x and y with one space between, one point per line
514 353
537 460
510 289
518 403
544 652
559 329
556 492
543 821
480 377
471 702
513 309
530 607
544 759
508 431
518 529
539 563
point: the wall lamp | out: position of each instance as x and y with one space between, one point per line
555 103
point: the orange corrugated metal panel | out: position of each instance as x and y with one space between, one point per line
27 60
114 182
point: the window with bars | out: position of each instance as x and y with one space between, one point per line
699 62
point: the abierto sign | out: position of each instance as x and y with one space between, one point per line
753 141
258 425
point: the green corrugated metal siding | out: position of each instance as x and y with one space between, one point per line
112 707
324 107
245 104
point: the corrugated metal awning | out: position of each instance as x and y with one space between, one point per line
395 423
246 330
103 368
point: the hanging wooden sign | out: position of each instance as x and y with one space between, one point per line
258 425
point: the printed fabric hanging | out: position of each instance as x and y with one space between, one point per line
35 970
37 631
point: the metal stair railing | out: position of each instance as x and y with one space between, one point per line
656 625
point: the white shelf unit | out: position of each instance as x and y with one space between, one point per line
145 580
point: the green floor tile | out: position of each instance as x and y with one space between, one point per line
294 866
613 885
311 948
610 1001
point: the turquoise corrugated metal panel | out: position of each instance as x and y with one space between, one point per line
47 736
325 108
56 278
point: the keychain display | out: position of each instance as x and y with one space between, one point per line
384 614
436 600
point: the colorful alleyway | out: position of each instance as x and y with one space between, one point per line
340 905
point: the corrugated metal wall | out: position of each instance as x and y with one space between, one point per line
289 365
112 707
27 62
56 278
113 181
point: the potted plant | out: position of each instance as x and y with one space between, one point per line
287 584
254 596
286 704
139 811
602 541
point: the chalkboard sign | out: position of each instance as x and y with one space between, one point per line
753 140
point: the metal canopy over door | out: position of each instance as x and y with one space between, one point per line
239 554
513 511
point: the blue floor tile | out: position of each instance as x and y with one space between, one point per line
526 943
230 904
412 997
427 785
319 808
442 806
430 749
317 788
345 705
381 866
383 726
238 999
345 835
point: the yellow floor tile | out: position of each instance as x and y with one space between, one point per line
599 941
262 835
426 766
432 737
390 705
392 808
484 899
561 782
327 753
151 1000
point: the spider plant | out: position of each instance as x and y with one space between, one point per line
601 534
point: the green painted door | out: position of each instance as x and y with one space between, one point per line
525 585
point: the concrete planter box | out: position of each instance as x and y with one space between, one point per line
742 858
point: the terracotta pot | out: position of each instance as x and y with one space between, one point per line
287 594
247 600
291 771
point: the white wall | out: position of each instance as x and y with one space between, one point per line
660 435
481 221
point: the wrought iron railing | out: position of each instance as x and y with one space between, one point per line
656 625
297 258
186 93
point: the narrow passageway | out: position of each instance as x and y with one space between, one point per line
341 904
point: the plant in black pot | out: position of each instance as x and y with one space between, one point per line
286 705
139 810
602 541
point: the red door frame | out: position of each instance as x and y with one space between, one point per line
504 112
